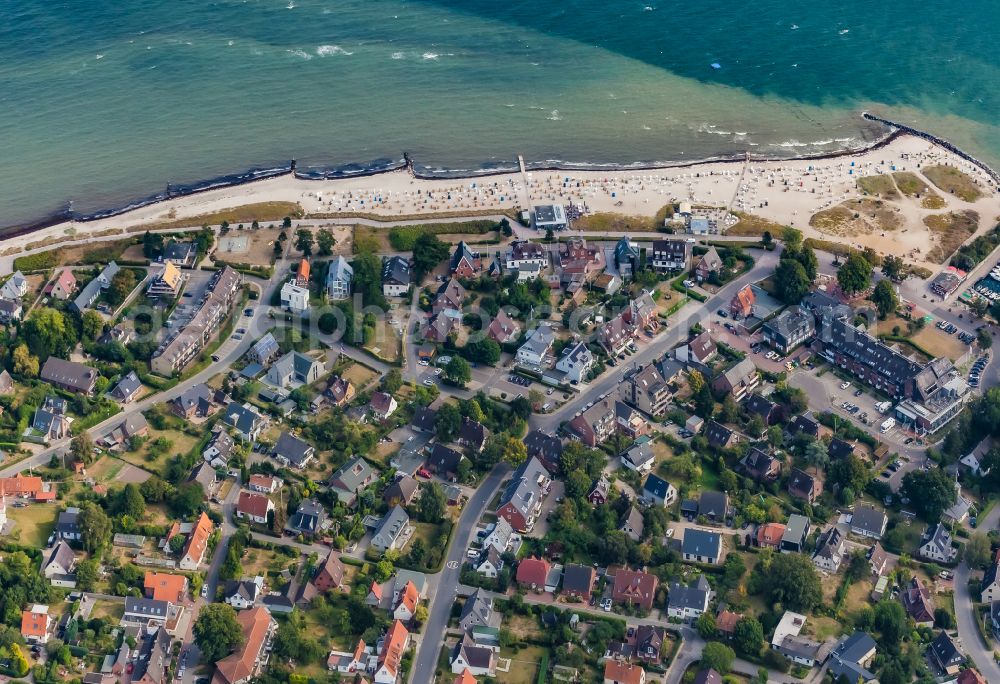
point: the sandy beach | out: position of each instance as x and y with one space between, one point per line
787 192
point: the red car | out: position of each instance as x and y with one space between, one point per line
423 472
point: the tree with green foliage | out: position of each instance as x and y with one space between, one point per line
931 492
152 245
890 622
24 362
792 238
325 241
791 580
885 298
91 325
177 543
368 280
810 264
855 274
433 503
977 551
849 473
483 351
791 282
392 381
304 241
458 372
984 339
766 239
48 333
705 624
893 268
748 635
131 501
95 527
186 500
217 631
717 656
514 451
82 447
121 286
447 422
87 573
428 252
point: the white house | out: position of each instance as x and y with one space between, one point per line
537 346
575 361
688 603
254 506
935 545
241 594
294 298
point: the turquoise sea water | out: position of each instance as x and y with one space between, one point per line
104 101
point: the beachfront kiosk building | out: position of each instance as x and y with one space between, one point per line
550 216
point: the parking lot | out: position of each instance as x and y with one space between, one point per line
826 392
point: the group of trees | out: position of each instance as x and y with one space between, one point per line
796 270
855 274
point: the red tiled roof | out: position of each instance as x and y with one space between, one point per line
253 504
623 673
410 597
163 586
465 678
726 621
533 571
770 534
393 646
20 485
239 666
34 624
198 541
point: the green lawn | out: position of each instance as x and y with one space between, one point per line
523 666
709 475
34 523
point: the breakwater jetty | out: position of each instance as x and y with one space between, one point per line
937 141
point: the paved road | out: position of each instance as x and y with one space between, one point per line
228 352
676 332
443 586
211 581
966 615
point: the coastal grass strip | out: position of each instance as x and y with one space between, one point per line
511 213
953 181
403 238
99 253
246 213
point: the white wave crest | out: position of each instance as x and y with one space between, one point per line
398 55
327 50
300 53
554 115
431 55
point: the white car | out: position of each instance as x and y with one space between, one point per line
437 371
606 605
428 382
845 385
670 533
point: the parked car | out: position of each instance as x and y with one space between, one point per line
722 313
